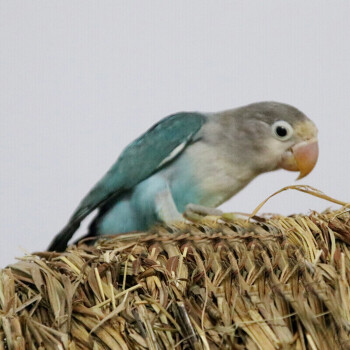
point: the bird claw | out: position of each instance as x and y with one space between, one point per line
196 212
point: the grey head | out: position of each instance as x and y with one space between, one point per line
270 136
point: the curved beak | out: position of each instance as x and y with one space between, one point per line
302 157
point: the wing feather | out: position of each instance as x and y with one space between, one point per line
155 148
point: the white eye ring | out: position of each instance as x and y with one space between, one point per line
282 130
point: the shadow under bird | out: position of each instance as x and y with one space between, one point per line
193 162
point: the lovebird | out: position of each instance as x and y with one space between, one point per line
192 162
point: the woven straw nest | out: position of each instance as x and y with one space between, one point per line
224 283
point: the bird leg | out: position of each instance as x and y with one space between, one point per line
196 212
166 208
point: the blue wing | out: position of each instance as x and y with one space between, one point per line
155 148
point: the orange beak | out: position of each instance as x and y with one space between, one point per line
302 157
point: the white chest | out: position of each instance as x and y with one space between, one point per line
215 176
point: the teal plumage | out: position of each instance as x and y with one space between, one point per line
138 161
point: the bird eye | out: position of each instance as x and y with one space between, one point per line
282 130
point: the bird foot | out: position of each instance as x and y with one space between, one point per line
196 212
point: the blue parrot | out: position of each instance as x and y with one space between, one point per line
193 162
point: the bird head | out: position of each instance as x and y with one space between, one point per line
276 136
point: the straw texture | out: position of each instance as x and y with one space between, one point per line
224 283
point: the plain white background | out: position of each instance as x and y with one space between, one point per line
80 80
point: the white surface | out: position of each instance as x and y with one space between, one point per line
80 80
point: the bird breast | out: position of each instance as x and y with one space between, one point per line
205 175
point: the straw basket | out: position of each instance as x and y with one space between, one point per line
224 283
